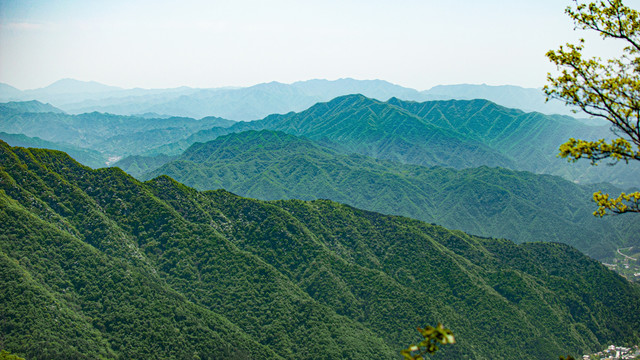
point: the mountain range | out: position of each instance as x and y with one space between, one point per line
114 136
97 264
32 106
497 202
454 133
258 101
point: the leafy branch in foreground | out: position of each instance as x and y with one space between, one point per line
432 336
618 149
609 90
5 355
622 204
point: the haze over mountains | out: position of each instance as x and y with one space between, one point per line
111 135
258 101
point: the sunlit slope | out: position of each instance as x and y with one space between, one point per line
130 263
496 202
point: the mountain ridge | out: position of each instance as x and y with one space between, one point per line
485 201
274 97
30 106
357 124
155 268
456 133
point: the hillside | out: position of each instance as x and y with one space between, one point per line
95 263
485 201
357 124
530 139
453 133
139 165
111 135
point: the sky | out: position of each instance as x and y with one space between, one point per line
205 44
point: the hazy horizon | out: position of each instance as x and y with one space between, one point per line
211 44
251 85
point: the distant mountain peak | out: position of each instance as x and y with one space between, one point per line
31 106
68 85
5 86
358 97
9 92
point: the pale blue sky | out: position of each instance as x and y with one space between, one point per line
159 44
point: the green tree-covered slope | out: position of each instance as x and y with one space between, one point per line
95 263
520 206
531 140
138 165
459 134
357 124
453 133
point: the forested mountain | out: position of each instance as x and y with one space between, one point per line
453 133
139 165
496 202
516 97
357 124
95 263
530 139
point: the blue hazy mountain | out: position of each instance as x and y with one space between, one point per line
9 92
516 97
258 101
32 106
114 136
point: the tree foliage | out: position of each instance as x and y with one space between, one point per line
5 355
432 336
569 357
608 89
96 264
497 202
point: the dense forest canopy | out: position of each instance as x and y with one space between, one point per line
96 263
